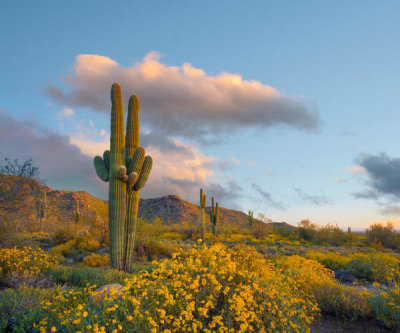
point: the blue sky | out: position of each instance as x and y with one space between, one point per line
332 157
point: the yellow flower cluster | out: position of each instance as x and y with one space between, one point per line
204 289
96 260
26 261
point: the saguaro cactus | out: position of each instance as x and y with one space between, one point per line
250 218
77 214
127 168
202 215
214 217
41 207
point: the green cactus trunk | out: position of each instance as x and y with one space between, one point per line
41 206
214 217
127 169
202 216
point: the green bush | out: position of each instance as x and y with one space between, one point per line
342 301
375 266
81 276
63 235
387 307
21 308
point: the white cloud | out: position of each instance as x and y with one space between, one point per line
184 100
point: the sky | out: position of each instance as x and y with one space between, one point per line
287 108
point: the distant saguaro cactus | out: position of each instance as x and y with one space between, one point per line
214 217
202 215
77 214
250 218
41 207
127 168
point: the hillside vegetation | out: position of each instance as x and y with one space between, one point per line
252 276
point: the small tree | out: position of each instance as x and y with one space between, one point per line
11 197
378 233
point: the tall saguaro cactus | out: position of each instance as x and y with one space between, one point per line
250 218
77 214
41 207
214 217
127 168
202 215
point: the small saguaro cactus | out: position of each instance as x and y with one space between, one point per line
77 214
251 218
41 207
127 168
202 215
214 217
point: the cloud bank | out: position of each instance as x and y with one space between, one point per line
61 164
183 100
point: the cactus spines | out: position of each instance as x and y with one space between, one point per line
251 218
77 214
202 215
41 206
127 169
214 217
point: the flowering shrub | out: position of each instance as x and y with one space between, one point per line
201 290
376 266
97 260
387 307
330 260
332 297
23 265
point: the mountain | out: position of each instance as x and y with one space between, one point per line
61 205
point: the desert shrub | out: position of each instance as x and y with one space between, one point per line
203 289
82 276
87 243
21 308
26 265
97 260
63 235
152 249
375 266
330 260
378 233
77 248
342 301
332 297
387 307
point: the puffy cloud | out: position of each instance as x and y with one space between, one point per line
183 100
66 161
178 168
317 200
383 176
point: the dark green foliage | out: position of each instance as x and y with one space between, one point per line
81 276
21 308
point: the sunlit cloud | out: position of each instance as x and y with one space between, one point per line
359 169
183 100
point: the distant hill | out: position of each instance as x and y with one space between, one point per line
61 204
